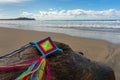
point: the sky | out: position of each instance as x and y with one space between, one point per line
60 9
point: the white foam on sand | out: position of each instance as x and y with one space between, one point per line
104 30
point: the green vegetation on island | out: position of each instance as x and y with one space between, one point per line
20 18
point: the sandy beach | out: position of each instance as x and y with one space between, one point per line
97 50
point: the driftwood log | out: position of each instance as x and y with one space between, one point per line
67 65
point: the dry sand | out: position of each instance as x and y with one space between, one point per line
98 50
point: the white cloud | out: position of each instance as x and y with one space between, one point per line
12 1
4 16
74 14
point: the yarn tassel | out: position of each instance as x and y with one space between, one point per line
39 70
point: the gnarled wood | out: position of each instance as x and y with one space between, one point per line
67 65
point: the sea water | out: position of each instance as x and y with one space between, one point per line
108 30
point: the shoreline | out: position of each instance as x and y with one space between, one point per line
94 49
96 30
63 34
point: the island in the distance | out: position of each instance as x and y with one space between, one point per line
20 18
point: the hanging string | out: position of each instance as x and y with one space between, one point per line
22 65
39 70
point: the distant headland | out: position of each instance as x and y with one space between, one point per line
20 18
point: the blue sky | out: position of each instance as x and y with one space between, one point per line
60 9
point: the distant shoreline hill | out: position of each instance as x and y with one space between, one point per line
20 18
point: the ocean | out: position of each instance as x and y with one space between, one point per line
108 30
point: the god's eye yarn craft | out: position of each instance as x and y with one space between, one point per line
40 70
46 46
